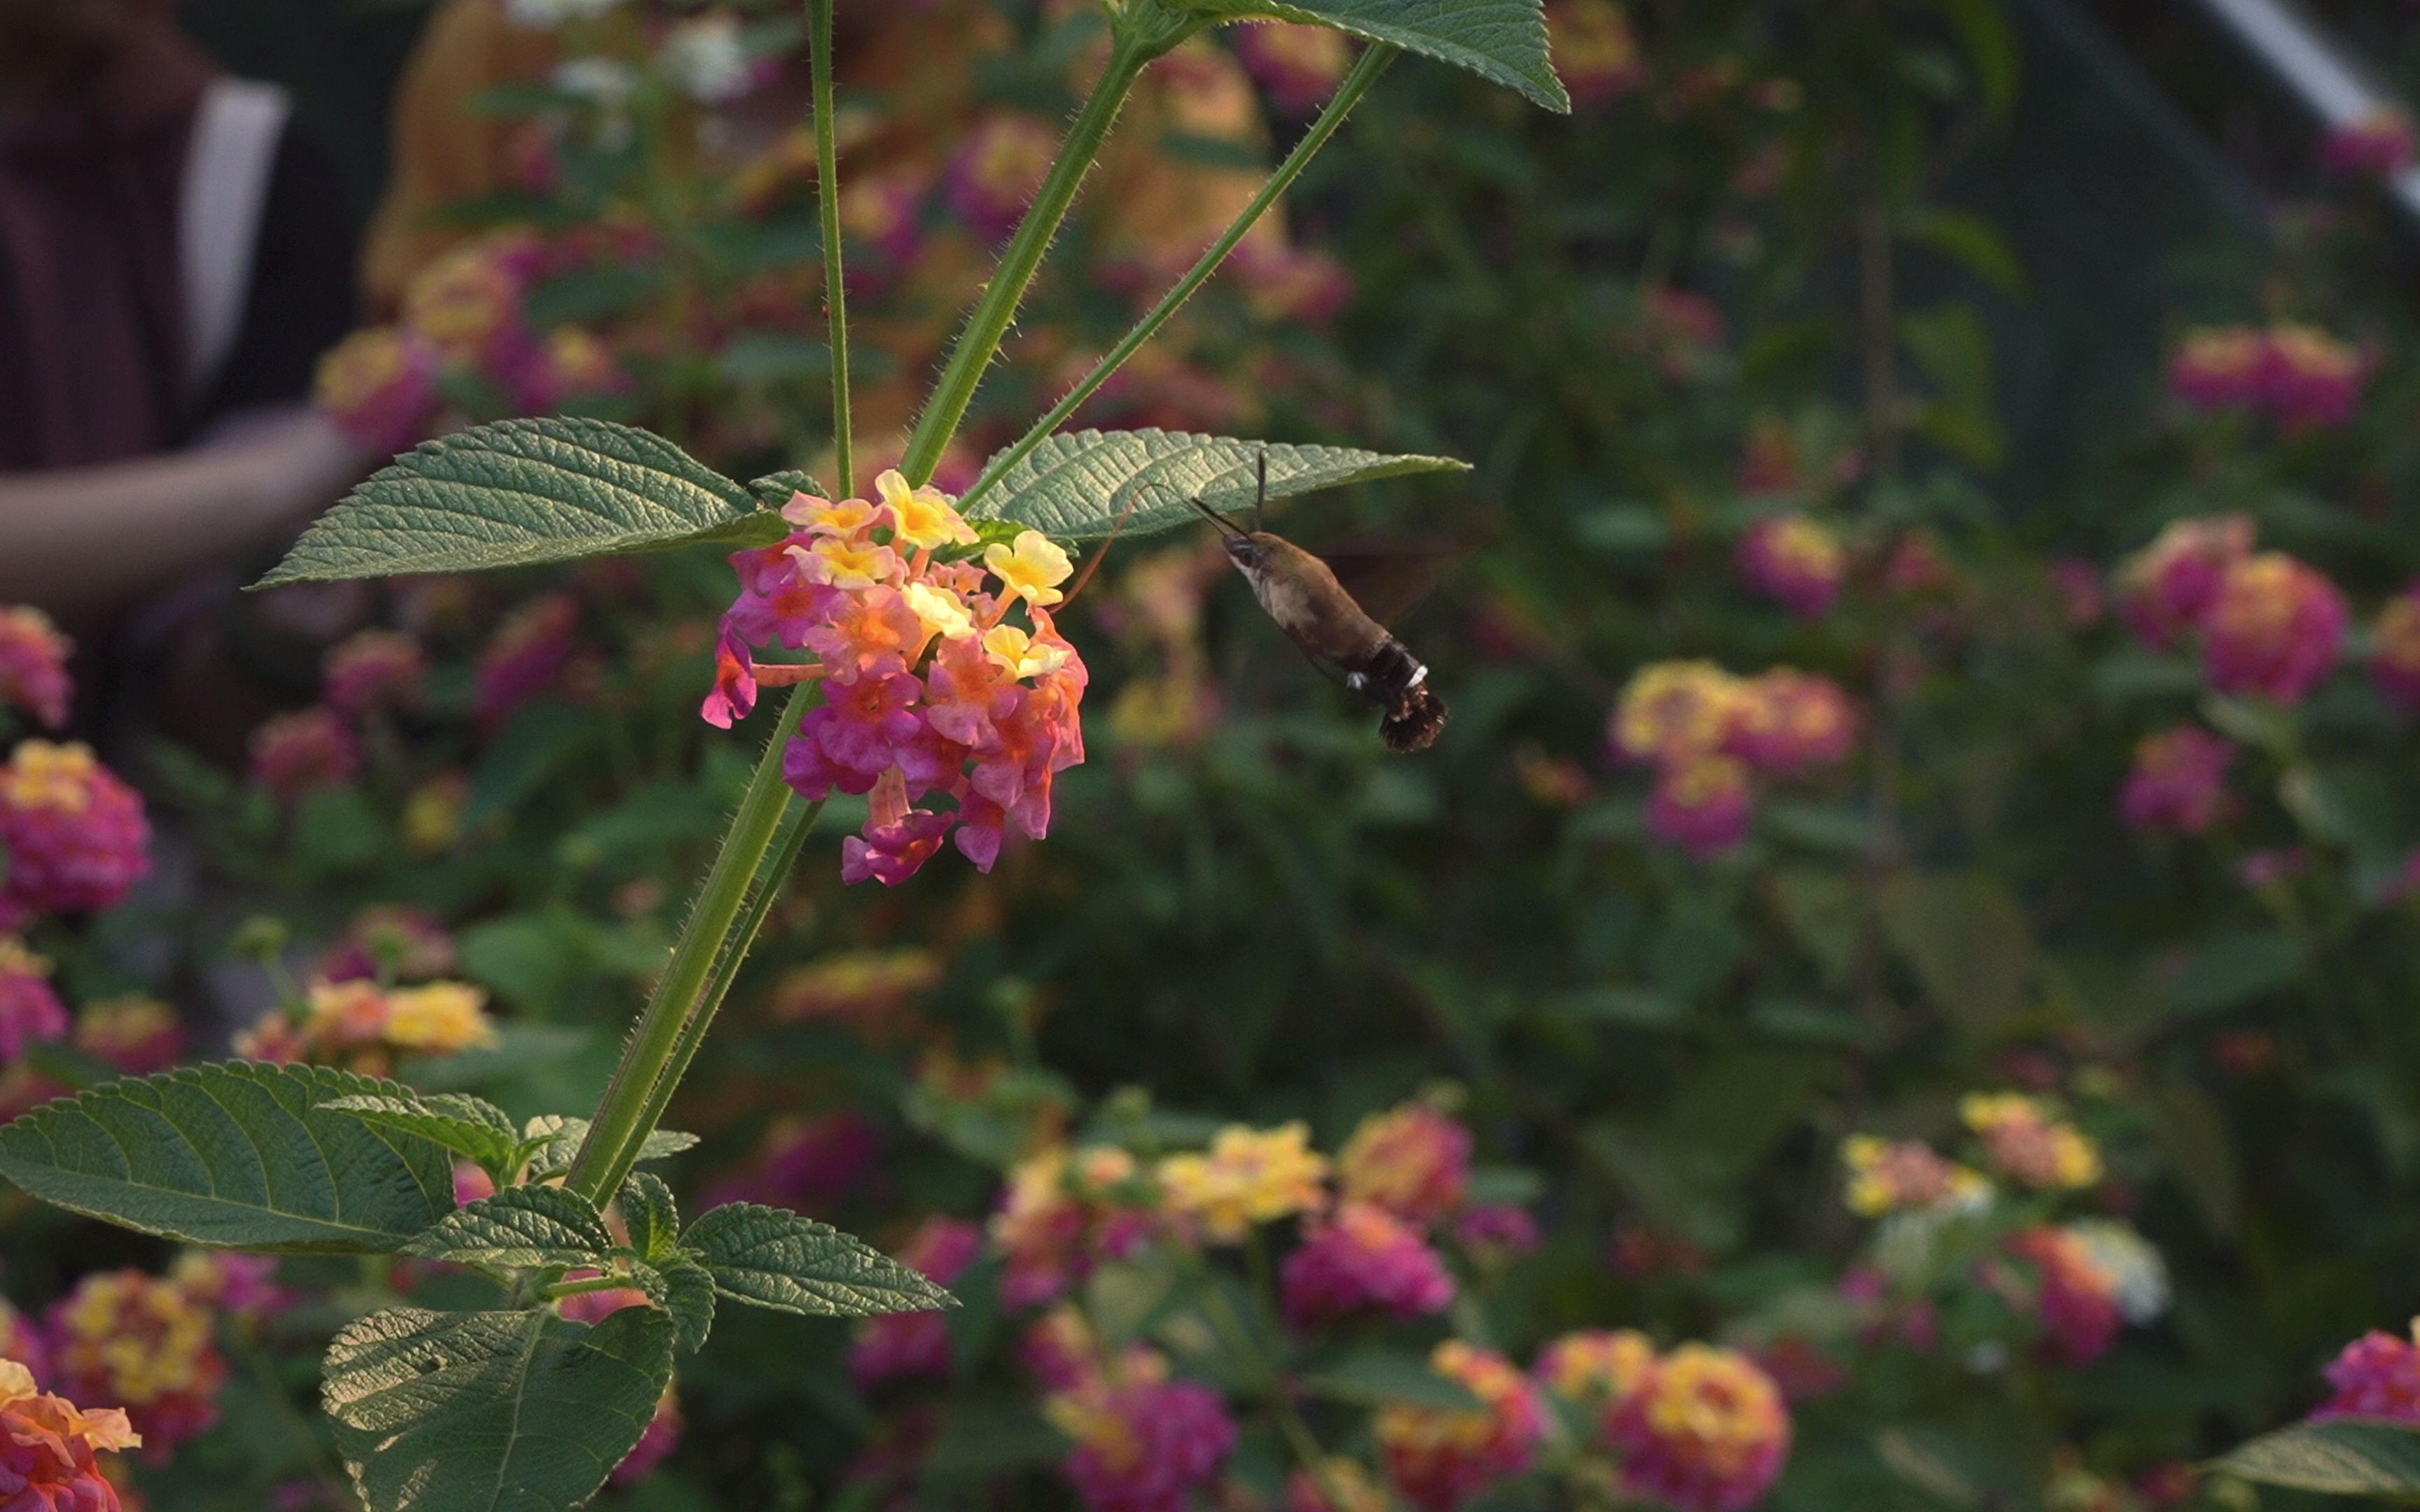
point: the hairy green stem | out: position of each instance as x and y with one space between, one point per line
726 970
1348 94
616 1132
988 325
819 20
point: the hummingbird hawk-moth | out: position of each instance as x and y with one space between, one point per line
1300 592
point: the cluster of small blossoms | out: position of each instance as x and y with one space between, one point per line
463 314
2395 653
1065 1207
2377 1375
1143 1442
2269 625
1902 1175
902 1346
75 834
2028 1145
1247 1178
2076 1300
390 942
1595 51
307 751
34 665
2300 376
363 1026
30 1010
50 1447
2178 783
1412 1160
530 654
927 689
1439 1457
805 1164
866 988
1796 561
1362 1259
1710 734
146 1342
1704 1431
1296 65
2378 146
374 672
1598 1369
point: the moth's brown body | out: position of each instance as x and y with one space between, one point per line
1301 594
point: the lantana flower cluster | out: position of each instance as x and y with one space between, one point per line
2297 375
1712 736
2377 1376
2177 784
2377 145
1439 1457
1143 1441
1797 560
75 834
50 1447
2269 625
151 1342
2078 1282
363 1024
928 686
34 665
463 321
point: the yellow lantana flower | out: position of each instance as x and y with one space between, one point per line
920 517
944 614
1250 1175
1023 656
1031 568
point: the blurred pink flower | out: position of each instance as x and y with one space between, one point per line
75 834
2178 781
30 1012
1297 63
2395 657
1705 806
1705 1431
2378 146
528 655
296 754
900 1346
2164 589
34 665
2377 1375
1795 562
1363 1258
2274 629
1412 1160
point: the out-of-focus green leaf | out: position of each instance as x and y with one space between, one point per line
2345 1456
1967 940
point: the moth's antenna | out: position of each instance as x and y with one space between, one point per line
1261 499
1217 518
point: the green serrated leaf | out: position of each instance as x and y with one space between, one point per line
1503 41
654 1217
775 1259
685 1289
521 1228
550 1140
2348 1457
1081 486
236 1154
499 1411
1372 1379
524 491
464 1124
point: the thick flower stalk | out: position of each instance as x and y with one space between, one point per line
50 1448
930 689
75 834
